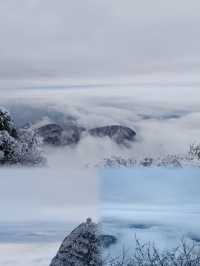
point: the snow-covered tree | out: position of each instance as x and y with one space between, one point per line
9 147
6 122
194 151
22 146
30 142
25 150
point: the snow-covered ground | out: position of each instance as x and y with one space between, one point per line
157 205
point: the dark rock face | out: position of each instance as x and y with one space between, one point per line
147 162
56 135
51 134
72 135
119 134
107 240
194 237
140 226
80 248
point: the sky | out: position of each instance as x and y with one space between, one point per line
53 193
152 186
70 41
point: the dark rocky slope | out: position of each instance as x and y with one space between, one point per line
119 134
57 135
82 247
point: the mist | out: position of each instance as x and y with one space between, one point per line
160 206
164 123
96 63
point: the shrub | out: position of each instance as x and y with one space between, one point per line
194 151
186 254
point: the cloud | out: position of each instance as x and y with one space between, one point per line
157 205
33 254
164 122
75 39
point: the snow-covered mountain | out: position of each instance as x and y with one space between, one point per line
83 246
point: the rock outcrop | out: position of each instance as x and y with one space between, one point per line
57 135
106 241
83 246
54 134
117 133
80 248
51 134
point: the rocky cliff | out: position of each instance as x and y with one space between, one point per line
58 135
80 248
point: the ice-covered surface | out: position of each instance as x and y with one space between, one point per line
157 205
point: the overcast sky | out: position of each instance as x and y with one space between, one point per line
90 39
49 193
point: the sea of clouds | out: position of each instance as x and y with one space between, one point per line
166 119
157 206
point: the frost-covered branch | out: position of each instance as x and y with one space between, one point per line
18 146
186 254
